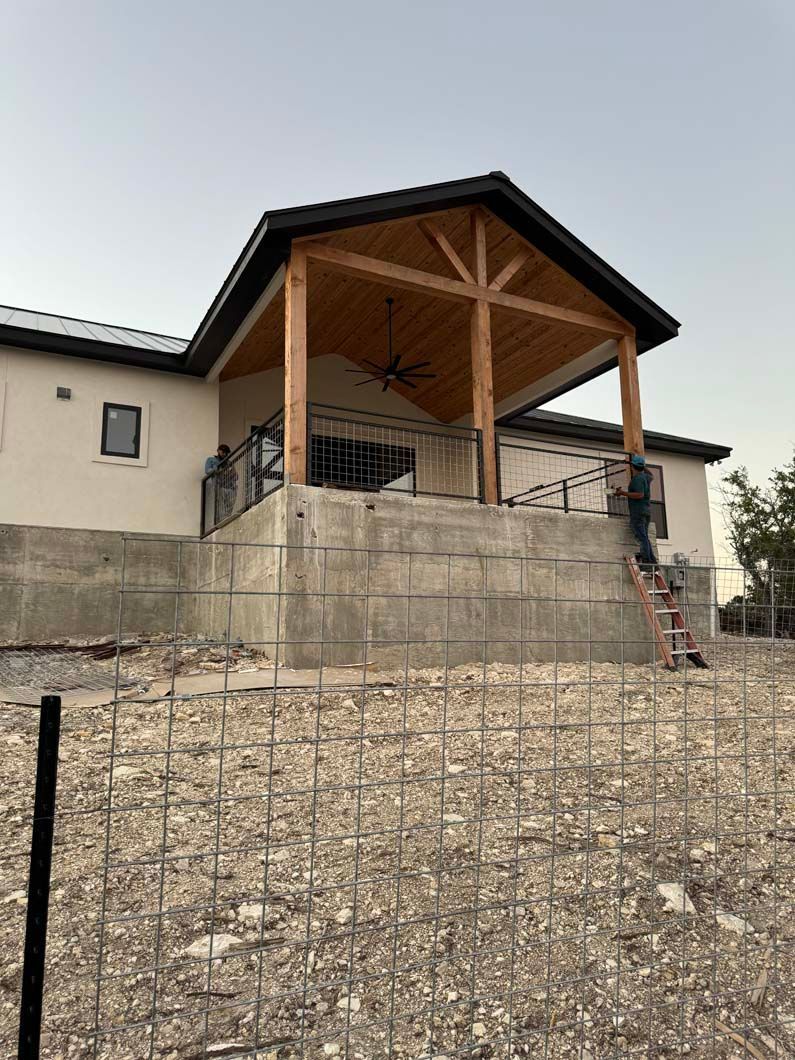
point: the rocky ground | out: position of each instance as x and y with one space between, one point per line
569 861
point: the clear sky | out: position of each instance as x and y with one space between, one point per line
143 141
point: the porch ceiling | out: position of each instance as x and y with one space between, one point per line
347 315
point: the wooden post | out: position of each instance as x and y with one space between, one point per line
630 395
482 387
295 367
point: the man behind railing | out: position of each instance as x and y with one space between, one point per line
224 480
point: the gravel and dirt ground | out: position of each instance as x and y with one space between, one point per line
569 861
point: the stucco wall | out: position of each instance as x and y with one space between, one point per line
48 447
254 398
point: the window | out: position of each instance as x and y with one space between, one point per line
121 430
350 463
618 505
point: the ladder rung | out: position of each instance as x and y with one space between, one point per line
685 651
671 632
667 611
657 592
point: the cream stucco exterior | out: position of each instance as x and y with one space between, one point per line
51 469
255 398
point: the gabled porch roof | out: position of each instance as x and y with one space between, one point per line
559 269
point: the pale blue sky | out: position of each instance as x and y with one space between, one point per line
142 142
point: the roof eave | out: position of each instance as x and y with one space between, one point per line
610 434
92 349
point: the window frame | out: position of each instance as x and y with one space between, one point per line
107 407
99 452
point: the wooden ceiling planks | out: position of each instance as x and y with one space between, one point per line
347 315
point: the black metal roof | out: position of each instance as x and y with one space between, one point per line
563 425
269 247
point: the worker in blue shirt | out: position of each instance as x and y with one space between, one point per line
639 500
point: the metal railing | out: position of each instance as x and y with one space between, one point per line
561 479
251 472
369 451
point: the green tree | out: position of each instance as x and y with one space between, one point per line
760 525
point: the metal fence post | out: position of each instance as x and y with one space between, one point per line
482 470
39 879
309 469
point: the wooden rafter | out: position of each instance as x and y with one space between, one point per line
510 270
402 276
444 248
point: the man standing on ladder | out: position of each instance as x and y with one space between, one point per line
638 497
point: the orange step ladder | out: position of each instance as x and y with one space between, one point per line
674 643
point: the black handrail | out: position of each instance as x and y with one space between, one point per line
564 483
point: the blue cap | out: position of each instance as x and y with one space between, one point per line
638 461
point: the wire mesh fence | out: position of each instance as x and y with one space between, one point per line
370 451
370 804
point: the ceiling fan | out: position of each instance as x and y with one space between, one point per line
392 372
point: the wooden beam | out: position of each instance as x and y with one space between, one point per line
510 270
482 384
477 222
630 395
295 367
444 248
401 276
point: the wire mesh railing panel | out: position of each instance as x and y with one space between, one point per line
560 479
368 451
253 471
379 804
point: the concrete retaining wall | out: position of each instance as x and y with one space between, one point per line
60 584
395 579
333 577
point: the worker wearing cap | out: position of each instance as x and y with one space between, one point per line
639 497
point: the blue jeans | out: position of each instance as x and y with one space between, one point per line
639 525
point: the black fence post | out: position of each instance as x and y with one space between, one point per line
30 1012
309 431
482 470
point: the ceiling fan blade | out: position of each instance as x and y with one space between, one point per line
406 382
378 367
395 363
386 385
372 379
420 364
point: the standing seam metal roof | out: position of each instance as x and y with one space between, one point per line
113 334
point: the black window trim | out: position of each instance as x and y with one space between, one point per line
104 450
